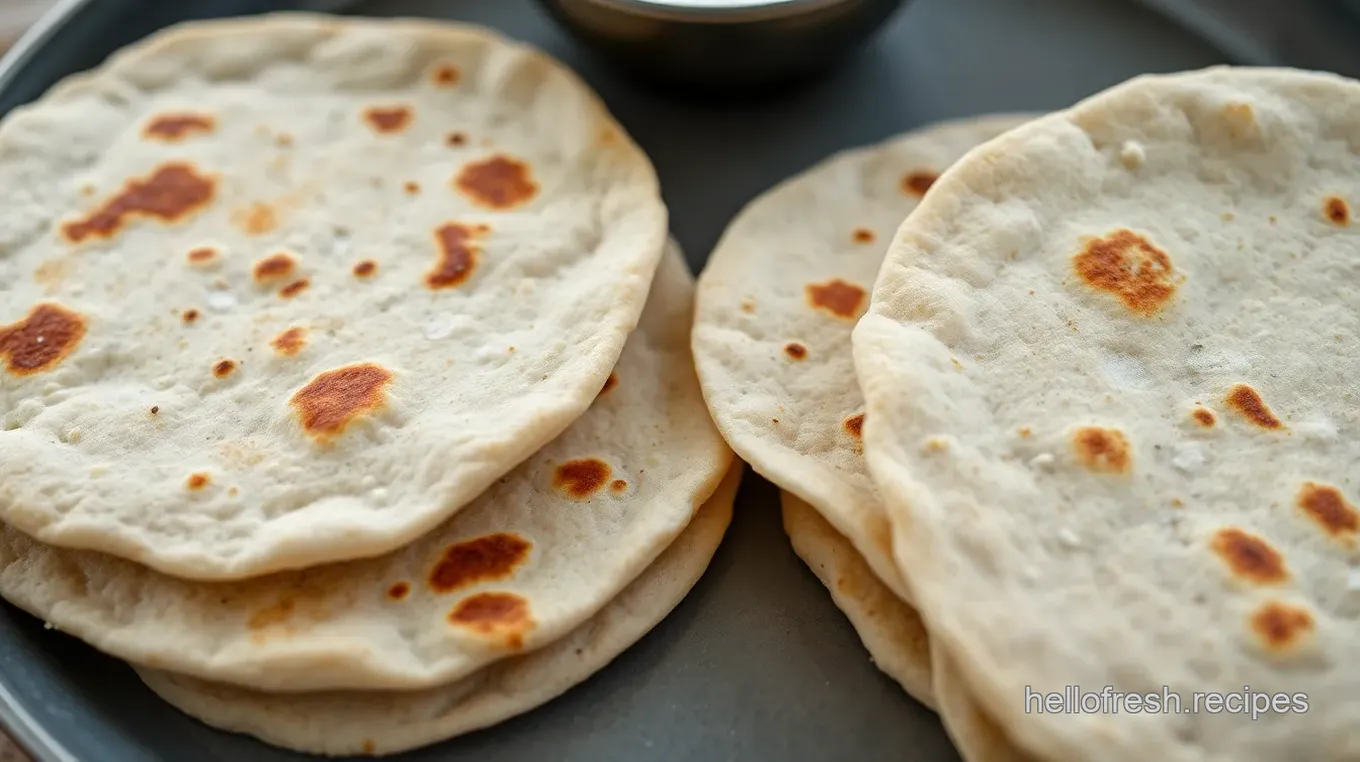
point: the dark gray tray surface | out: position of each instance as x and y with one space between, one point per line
756 664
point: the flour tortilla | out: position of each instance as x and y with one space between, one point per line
560 536
975 735
1039 386
785 415
891 630
387 723
359 150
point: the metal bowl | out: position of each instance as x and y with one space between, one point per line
723 45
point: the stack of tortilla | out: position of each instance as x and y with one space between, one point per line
345 378
1087 420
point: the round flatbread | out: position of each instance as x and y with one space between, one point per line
387 723
540 552
776 304
294 289
1111 371
891 630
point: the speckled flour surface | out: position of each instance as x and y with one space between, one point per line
533 557
294 289
1110 367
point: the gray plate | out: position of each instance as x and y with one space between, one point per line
756 664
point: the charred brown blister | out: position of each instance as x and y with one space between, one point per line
1103 450
1249 557
1247 402
174 127
387 120
41 340
335 398
842 299
500 182
504 616
1128 266
1330 510
480 559
172 193
581 477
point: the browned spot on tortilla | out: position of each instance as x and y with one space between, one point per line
290 342
1025 431
1337 211
368 746
52 272
283 139
170 194
412 187
917 183
328 403
854 425
189 316
1249 557
618 485
863 235
456 139
1102 450
837 297
365 268
1248 403
457 255
446 75
1281 627
155 409
202 255
609 384
1203 416
293 289
1326 505
398 591
795 350
387 119
503 614
500 182
173 127
748 306
582 477
198 481
41 340
1127 265
223 368
257 219
232 492
481 559
269 616
274 267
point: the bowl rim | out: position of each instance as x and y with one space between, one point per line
725 11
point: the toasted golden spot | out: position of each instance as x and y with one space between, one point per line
1337 211
198 481
1281 627
618 485
277 613
365 268
398 591
1249 557
174 127
387 120
446 75
503 614
293 289
290 342
1326 505
170 194
283 140
1025 431
329 402
189 316
52 272
795 350
223 368
854 425
863 235
155 409
609 384
582 477
232 492
481 559
202 255
458 253
412 187
1248 403
1128 266
41 340
455 139
1203 417
1102 450
748 306
368 746
257 219
917 183
274 267
500 182
841 299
